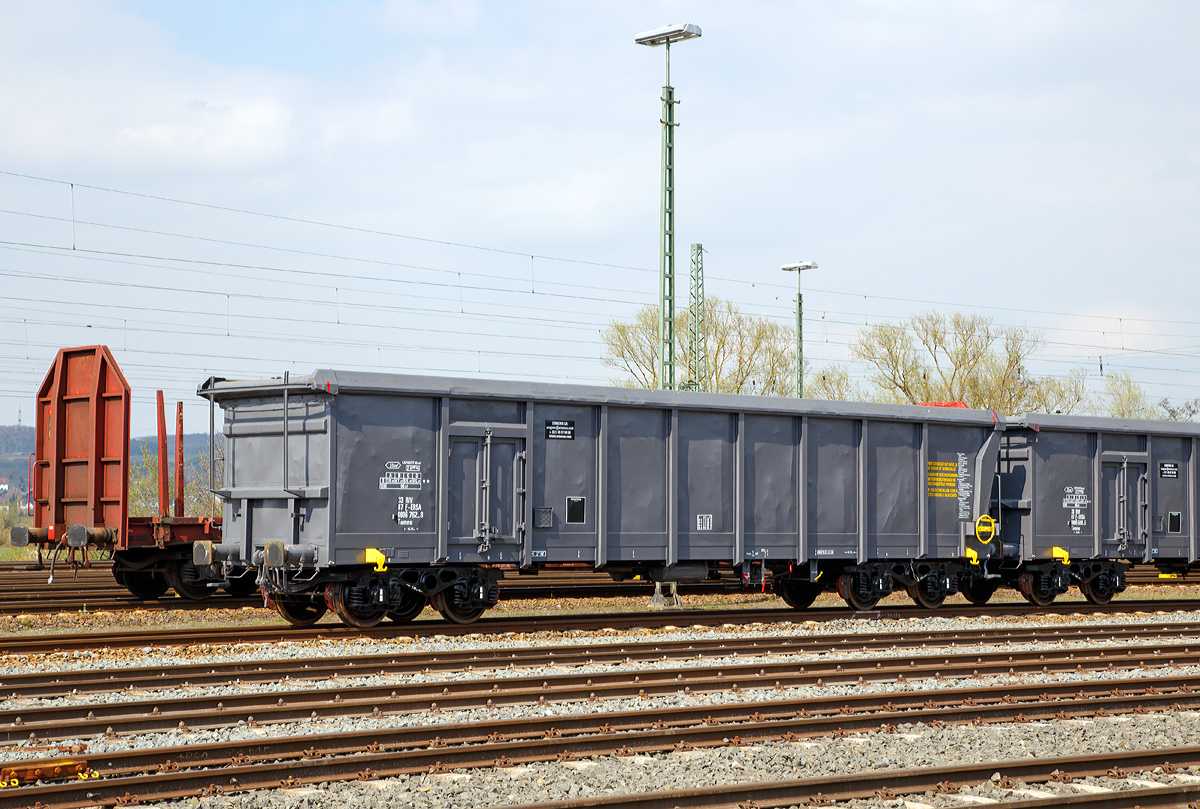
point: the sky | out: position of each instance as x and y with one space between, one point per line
472 189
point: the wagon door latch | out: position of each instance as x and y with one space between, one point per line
519 494
484 530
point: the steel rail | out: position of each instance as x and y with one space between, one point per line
24 591
205 711
889 784
226 770
820 715
89 681
30 644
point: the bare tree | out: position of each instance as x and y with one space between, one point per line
631 346
935 356
1124 398
832 382
746 354
1184 411
143 483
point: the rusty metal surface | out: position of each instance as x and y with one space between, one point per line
233 769
82 444
179 459
458 744
888 784
39 684
153 714
81 465
29 644
30 772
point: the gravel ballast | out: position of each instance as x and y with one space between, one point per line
913 746
910 746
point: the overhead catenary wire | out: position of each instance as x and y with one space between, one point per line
1178 351
487 309
751 308
729 279
299 220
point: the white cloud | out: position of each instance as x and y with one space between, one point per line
938 151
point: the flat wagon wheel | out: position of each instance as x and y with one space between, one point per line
978 591
799 595
1095 591
411 605
144 584
242 586
450 612
338 594
1027 583
184 581
921 595
849 593
298 610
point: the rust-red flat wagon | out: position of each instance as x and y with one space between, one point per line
80 483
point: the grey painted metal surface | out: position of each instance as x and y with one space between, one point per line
1095 487
432 470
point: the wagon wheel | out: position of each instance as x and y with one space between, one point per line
361 617
242 586
1095 592
184 581
921 595
452 613
798 595
978 590
846 589
410 607
144 584
298 610
1027 583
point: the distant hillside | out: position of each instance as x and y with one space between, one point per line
193 445
15 445
17 442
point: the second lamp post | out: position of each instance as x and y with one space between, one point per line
797 268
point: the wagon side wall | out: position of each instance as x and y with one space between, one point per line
597 480
1098 491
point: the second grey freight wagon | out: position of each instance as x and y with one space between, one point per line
379 494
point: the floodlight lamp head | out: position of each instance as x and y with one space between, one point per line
668 34
799 265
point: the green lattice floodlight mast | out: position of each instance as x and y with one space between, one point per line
797 268
697 325
666 268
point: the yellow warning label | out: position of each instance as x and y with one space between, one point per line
942 478
985 528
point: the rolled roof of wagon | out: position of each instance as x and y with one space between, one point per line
334 382
340 382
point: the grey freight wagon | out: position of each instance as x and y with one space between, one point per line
379 494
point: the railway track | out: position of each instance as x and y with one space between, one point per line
220 636
887 785
1138 664
89 681
343 697
296 760
90 589
24 590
